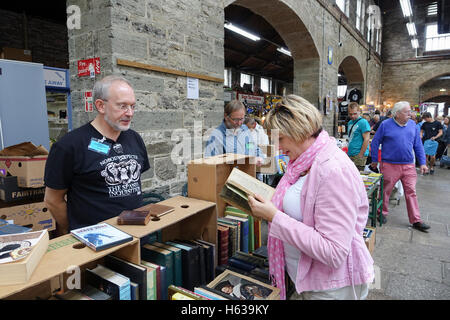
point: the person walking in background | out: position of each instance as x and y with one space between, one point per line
398 137
318 211
430 132
358 136
442 139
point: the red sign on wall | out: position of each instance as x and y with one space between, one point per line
88 102
86 66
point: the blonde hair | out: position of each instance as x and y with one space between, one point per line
295 117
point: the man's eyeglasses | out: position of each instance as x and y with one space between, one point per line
124 107
236 120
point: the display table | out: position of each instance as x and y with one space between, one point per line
374 189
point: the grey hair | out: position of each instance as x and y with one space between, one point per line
101 87
399 106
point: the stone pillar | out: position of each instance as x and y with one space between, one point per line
180 35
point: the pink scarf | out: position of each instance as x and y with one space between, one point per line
275 246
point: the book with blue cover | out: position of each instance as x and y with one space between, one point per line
101 236
110 282
11 228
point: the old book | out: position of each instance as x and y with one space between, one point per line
158 210
188 294
190 261
136 273
244 230
210 249
101 236
236 224
229 210
222 244
110 282
232 237
178 263
20 254
134 217
240 185
160 256
153 280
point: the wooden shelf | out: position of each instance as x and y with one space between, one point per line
191 219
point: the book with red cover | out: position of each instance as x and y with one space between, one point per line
223 239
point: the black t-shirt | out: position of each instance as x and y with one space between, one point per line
99 186
430 129
355 95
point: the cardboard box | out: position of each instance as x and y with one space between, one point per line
11 192
16 54
207 176
31 214
28 170
270 166
371 240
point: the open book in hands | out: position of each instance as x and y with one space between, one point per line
240 185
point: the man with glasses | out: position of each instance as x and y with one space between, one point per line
233 136
94 172
398 137
358 136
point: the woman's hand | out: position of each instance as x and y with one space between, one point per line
262 208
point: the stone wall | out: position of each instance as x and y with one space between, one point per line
404 70
47 40
188 36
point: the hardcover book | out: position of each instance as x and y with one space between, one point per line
229 210
162 257
244 231
190 260
240 185
110 282
136 273
222 242
178 263
153 280
158 210
101 236
133 217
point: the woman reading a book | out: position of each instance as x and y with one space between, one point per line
318 211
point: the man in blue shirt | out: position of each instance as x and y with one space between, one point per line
232 136
398 137
358 136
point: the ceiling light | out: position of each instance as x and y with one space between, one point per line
411 28
443 90
283 50
244 33
406 8
415 43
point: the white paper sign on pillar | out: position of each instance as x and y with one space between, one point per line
192 88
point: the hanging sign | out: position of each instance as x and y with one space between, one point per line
88 101
330 55
89 67
55 78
